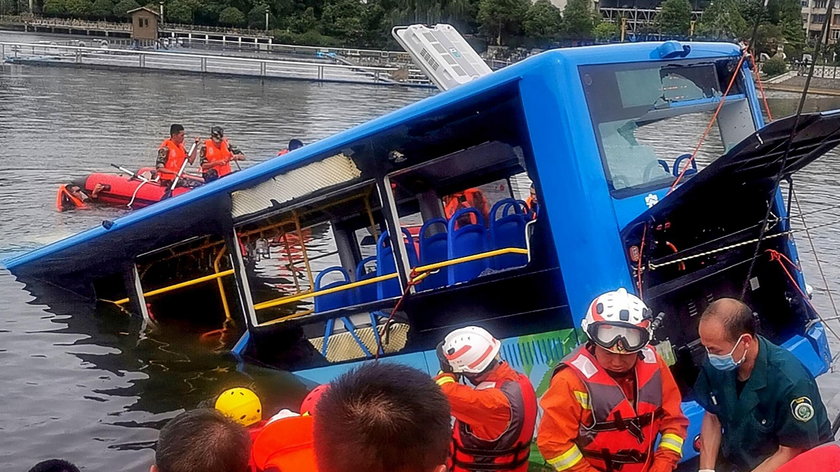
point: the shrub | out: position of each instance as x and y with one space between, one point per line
774 66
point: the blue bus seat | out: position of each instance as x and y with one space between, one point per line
335 300
508 230
433 249
385 263
365 293
465 241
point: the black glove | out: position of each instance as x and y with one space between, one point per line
444 362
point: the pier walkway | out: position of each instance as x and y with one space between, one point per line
325 70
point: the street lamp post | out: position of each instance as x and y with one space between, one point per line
161 12
267 10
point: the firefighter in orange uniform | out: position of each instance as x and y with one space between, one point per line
612 397
494 422
469 198
171 153
216 154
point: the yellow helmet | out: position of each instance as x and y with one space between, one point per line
241 405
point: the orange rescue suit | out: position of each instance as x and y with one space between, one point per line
494 422
175 158
286 445
585 411
218 153
469 198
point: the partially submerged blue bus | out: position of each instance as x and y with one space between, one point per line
376 242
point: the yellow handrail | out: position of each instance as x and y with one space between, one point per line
180 285
326 291
221 285
473 257
418 271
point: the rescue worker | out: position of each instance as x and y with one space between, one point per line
469 198
171 154
532 202
216 154
243 406
494 422
825 458
286 444
762 406
612 397
293 144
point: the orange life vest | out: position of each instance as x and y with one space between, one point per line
508 452
175 159
622 436
286 444
218 153
469 198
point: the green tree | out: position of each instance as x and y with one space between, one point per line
179 11
501 18
722 20
605 31
578 20
675 17
543 21
102 9
343 19
232 16
256 17
123 6
55 7
375 31
79 8
304 22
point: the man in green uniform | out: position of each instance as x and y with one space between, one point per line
762 406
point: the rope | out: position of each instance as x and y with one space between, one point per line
757 76
786 155
653 266
641 258
781 259
814 251
709 126
414 279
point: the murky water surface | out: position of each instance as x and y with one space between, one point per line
89 387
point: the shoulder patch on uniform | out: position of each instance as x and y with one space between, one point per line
802 409
585 366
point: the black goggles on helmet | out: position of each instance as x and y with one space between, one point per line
618 337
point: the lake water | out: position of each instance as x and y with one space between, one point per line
91 388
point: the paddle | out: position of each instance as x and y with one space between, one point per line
168 192
134 175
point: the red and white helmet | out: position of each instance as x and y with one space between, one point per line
470 350
618 322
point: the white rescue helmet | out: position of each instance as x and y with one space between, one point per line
618 322
470 350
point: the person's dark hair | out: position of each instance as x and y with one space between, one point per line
54 465
295 144
735 315
202 440
382 417
175 129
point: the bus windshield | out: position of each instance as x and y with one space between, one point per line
649 117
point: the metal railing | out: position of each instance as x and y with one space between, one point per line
105 57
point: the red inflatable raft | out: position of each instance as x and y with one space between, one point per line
131 191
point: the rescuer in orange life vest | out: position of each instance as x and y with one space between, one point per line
612 397
469 198
494 422
171 153
216 154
